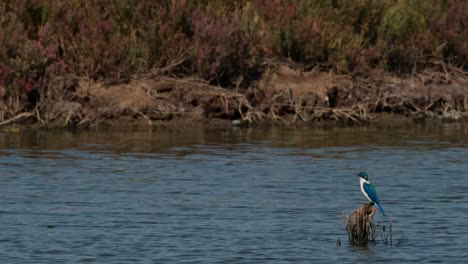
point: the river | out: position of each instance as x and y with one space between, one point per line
231 195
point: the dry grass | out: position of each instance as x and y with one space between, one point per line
362 230
360 226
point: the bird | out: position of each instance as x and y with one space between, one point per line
369 190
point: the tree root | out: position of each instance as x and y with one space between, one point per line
38 117
150 123
17 117
297 97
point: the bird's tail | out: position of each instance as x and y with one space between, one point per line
381 209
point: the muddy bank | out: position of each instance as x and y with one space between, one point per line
284 96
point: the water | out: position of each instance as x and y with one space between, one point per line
230 195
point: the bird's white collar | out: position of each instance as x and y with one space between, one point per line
362 180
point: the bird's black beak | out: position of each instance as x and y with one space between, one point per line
357 174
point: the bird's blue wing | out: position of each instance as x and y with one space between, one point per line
370 190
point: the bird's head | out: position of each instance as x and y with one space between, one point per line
363 174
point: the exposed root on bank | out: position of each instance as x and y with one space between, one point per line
283 96
38 117
150 123
17 118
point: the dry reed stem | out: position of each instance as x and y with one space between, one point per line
362 231
360 226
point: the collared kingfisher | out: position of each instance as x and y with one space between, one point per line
369 190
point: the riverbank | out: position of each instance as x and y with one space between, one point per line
287 62
283 97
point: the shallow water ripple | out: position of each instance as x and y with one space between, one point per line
230 196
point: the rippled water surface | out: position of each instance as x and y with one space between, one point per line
251 195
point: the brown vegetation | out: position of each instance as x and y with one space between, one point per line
79 63
285 97
362 230
360 226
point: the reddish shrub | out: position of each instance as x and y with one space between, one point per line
221 49
453 26
220 40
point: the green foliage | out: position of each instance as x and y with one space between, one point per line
404 18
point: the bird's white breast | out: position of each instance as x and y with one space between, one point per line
361 182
